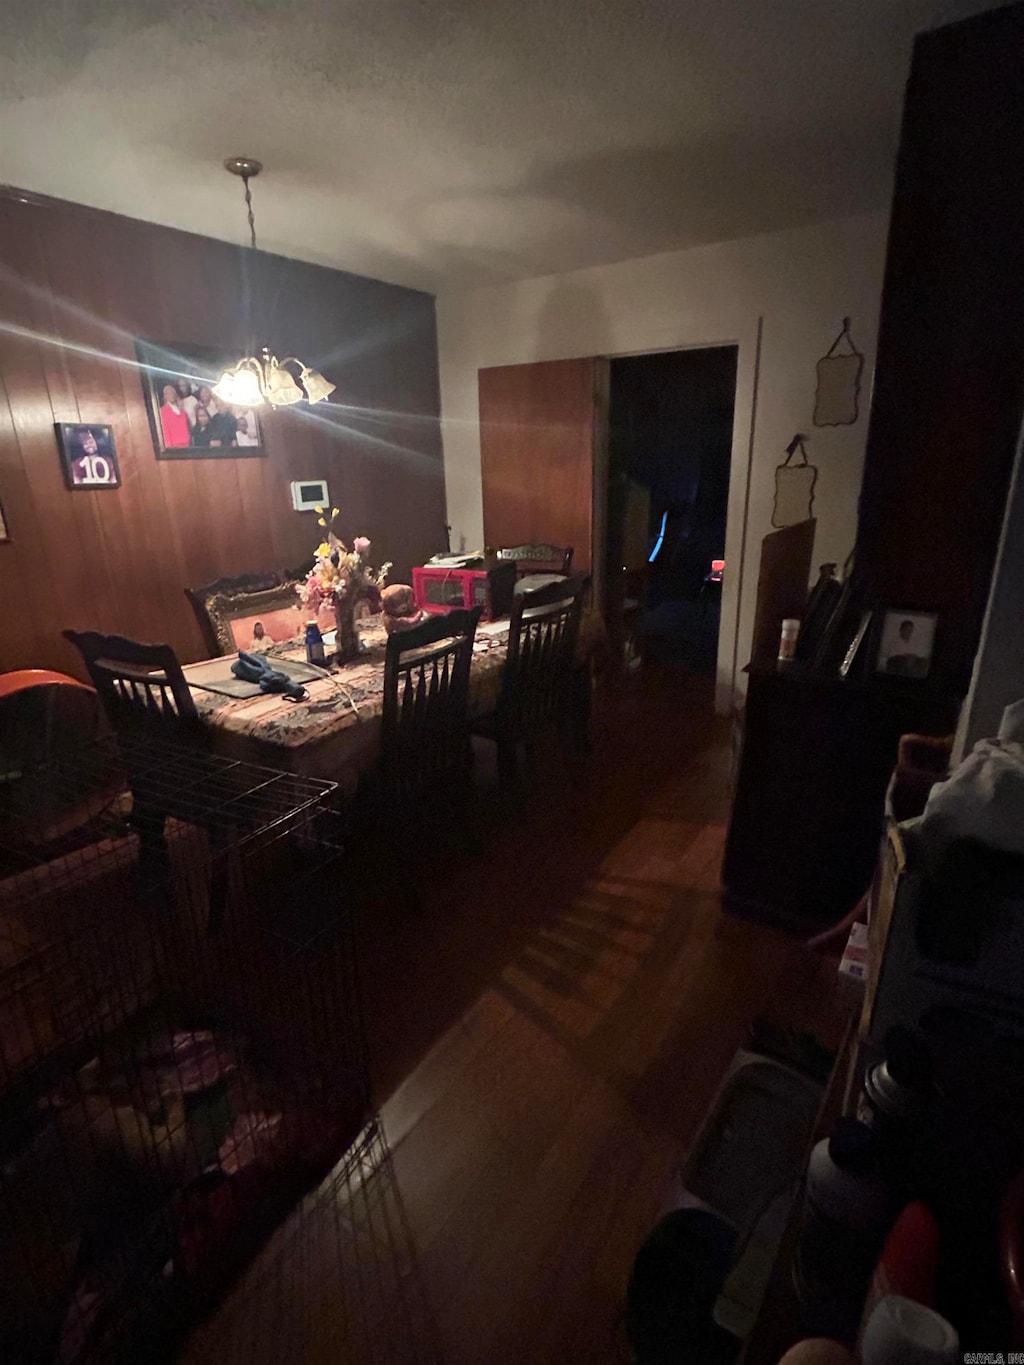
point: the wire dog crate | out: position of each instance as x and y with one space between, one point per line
181 1045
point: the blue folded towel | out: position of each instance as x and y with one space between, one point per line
257 669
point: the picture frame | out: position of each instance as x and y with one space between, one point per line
187 421
839 632
856 644
906 642
818 610
5 535
837 395
88 456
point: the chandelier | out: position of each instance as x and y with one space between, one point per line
252 381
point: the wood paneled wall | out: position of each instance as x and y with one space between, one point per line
77 287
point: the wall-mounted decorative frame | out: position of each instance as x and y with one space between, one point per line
5 535
794 486
836 398
187 421
88 455
906 642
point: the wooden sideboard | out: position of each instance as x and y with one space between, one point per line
816 756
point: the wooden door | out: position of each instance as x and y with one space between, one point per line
539 427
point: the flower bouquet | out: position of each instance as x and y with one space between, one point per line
341 579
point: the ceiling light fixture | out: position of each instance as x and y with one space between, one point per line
253 381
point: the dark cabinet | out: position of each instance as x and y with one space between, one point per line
948 391
817 754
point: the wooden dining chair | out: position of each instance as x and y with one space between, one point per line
135 682
537 684
219 605
535 559
150 707
425 750
423 783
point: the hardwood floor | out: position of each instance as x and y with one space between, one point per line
545 1042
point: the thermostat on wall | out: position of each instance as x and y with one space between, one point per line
309 494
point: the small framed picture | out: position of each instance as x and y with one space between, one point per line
4 533
905 643
855 644
88 455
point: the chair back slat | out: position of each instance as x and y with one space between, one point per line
541 653
137 683
425 734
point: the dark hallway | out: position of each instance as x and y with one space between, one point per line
671 417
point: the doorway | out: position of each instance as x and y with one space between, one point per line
669 453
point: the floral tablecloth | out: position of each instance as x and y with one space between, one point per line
335 732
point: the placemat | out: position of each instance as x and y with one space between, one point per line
214 675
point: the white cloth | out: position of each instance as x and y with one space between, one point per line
984 798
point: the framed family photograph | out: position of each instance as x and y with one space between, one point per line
87 455
188 421
905 643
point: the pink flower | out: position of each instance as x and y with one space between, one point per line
361 545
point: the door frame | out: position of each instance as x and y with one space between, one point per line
737 604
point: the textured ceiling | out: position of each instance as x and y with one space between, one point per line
446 143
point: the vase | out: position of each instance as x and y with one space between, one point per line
347 638
326 618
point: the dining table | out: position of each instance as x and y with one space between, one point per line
334 732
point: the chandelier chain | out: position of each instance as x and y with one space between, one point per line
248 205
253 381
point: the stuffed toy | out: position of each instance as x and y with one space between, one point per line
400 610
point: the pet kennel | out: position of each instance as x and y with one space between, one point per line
181 1046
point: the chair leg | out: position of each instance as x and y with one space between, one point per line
508 765
407 892
220 882
579 712
154 861
467 816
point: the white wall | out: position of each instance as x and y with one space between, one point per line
794 288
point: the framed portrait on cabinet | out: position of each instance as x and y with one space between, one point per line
906 642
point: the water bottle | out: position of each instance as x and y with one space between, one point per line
845 1215
315 645
899 1101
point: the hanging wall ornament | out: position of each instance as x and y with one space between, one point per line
839 372
794 486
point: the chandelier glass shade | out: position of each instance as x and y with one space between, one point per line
252 381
